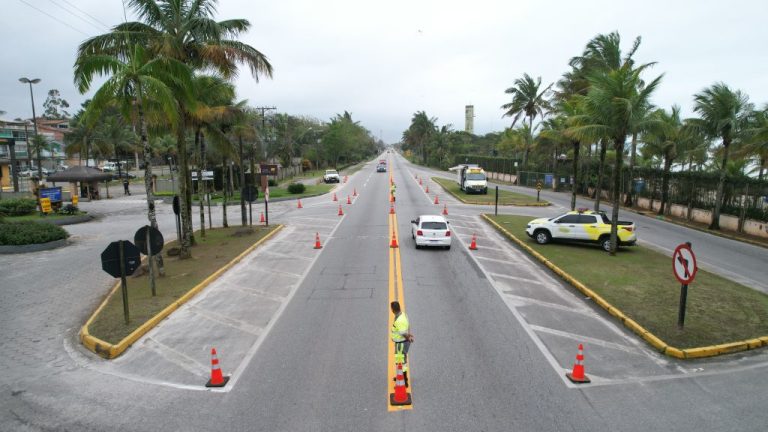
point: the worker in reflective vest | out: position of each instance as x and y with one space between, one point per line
401 337
392 190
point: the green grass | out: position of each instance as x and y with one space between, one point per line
274 192
217 249
505 197
639 282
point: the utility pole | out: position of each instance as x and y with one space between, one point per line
263 142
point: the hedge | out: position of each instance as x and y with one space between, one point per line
17 206
296 188
29 232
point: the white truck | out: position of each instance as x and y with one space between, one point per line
471 178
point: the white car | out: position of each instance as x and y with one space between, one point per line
431 230
331 176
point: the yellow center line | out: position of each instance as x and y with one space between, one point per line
395 293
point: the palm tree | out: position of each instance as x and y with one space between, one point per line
757 139
419 133
611 109
723 114
39 144
666 140
186 31
527 100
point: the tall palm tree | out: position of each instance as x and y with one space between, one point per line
186 31
666 139
529 100
419 132
756 142
723 113
611 109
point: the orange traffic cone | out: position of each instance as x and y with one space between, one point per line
391 197
401 395
317 241
349 201
341 212
420 183
261 219
578 376
473 245
345 179
437 201
427 189
445 209
217 379
354 192
299 205
391 209
393 244
334 197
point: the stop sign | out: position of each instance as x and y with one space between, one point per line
110 258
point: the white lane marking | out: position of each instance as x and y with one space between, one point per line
582 338
276 317
287 256
524 301
227 321
178 358
497 276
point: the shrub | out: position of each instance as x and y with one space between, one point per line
29 232
68 209
272 182
296 188
17 206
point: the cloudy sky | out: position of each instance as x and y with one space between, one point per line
385 60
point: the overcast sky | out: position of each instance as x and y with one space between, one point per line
385 60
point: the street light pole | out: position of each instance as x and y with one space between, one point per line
34 121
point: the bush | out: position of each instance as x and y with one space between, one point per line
17 206
68 209
29 232
296 188
272 182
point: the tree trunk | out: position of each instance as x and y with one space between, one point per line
147 184
200 183
715 224
243 217
665 184
227 175
576 148
600 173
629 199
762 169
185 241
616 175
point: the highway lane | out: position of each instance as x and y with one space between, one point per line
742 262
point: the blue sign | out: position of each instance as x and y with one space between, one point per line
548 179
54 194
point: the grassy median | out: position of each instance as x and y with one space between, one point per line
505 197
639 282
220 246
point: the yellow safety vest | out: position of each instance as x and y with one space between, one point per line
400 328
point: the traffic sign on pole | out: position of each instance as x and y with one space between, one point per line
684 268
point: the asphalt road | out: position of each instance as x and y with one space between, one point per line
494 336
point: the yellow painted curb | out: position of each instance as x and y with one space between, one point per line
513 204
110 351
652 339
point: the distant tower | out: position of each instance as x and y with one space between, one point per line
469 119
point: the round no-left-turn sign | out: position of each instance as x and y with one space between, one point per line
684 264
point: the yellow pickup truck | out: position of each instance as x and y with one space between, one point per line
581 226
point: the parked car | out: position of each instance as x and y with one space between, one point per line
32 171
123 174
431 230
581 226
331 176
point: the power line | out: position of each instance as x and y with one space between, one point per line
86 13
53 17
75 15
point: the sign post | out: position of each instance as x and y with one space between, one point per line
250 194
177 212
496 208
684 268
538 190
150 242
266 206
121 259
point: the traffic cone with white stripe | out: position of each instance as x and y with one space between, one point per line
577 375
341 212
445 209
349 201
334 197
437 201
473 245
299 205
217 379
393 244
401 395
427 189
391 209
420 183
261 219
317 241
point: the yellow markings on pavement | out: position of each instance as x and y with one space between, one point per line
395 293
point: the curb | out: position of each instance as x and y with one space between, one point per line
110 351
465 201
38 247
653 340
